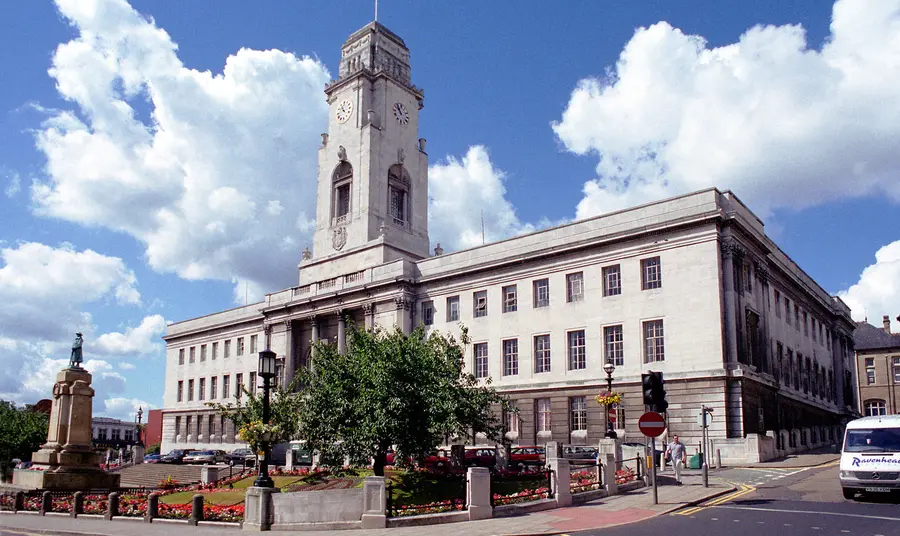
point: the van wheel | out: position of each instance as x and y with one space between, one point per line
849 493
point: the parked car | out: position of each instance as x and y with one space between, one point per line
176 456
527 456
152 458
437 459
481 457
241 457
581 454
24 465
209 457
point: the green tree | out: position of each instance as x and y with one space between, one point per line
153 449
246 414
391 389
22 431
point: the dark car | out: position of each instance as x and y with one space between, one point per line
152 458
581 454
176 456
527 456
481 457
241 457
209 457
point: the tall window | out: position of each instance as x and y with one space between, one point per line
479 303
875 408
779 355
398 192
215 350
543 414
895 364
511 420
213 387
542 353
190 390
428 313
341 180
578 413
777 304
576 350
180 391
815 330
797 316
510 357
253 385
193 354
101 434
613 342
129 435
202 353
612 280
805 324
181 356
481 360
201 395
510 299
453 309
226 388
807 376
654 345
227 349
188 428
787 311
240 346
239 385
651 273
542 293
574 287
798 371
177 427
254 339
211 425
789 368
116 434
870 370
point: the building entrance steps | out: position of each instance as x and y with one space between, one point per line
628 507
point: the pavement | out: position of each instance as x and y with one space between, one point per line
812 458
629 507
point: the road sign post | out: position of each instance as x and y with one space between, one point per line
652 424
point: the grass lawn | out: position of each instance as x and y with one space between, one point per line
233 496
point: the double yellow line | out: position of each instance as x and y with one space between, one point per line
743 489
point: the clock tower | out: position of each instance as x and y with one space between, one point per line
372 196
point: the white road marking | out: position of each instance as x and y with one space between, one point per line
810 512
846 531
714 518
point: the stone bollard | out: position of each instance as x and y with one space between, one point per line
374 503
112 507
561 481
152 508
718 458
19 503
196 510
478 493
77 503
609 474
46 503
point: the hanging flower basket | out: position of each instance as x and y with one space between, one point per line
608 398
255 433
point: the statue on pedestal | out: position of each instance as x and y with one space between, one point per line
76 358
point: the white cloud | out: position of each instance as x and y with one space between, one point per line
13 184
461 190
125 408
877 293
142 339
766 117
202 185
125 365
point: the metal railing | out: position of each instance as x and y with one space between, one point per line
543 489
629 470
586 478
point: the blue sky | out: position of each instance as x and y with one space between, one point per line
143 182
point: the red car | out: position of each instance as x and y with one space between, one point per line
439 459
526 456
481 457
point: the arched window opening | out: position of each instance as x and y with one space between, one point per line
398 195
341 184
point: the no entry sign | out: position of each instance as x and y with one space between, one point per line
651 424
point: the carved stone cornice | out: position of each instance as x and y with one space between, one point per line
762 272
731 248
368 309
288 325
403 302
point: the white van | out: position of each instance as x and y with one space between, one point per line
870 459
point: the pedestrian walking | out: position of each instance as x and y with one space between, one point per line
677 452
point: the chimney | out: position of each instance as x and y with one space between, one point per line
886 320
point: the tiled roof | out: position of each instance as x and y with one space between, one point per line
868 337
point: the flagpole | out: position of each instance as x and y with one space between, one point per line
376 10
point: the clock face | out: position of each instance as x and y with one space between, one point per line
344 111
400 113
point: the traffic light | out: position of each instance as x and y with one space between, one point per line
652 387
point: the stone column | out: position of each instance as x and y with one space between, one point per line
403 320
314 338
342 332
478 493
289 364
138 454
609 473
369 315
561 481
729 248
374 503
610 446
260 512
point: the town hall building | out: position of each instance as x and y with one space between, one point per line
690 286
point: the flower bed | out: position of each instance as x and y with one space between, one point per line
132 506
232 514
7 501
95 504
526 495
32 503
175 511
582 481
625 475
61 504
430 508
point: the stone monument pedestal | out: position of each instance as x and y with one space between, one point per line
67 461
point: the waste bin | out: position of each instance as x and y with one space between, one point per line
695 461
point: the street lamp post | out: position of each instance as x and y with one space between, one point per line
266 372
140 414
609 368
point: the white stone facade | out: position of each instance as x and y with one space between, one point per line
716 316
